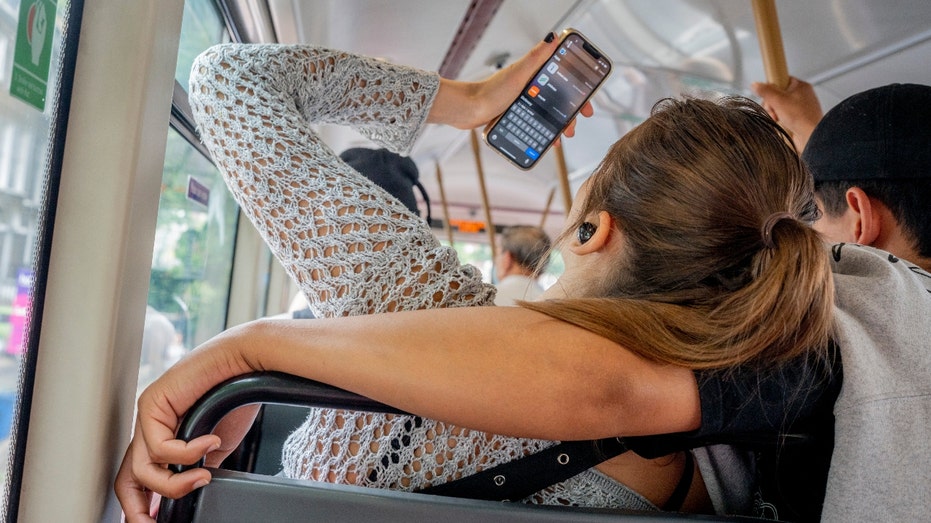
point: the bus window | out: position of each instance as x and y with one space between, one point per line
30 60
196 228
201 28
192 259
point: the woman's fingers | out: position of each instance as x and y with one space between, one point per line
144 469
527 65
587 111
132 495
154 445
495 93
150 464
177 452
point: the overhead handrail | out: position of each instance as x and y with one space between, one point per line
332 500
770 37
263 387
446 225
489 225
474 23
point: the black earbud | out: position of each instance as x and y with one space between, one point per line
586 231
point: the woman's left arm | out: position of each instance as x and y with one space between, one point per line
467 105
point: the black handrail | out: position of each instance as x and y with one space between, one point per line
260 387
286 389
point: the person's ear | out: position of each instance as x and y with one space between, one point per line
602 234
506 259
868 222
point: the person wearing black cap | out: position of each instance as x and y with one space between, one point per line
871 160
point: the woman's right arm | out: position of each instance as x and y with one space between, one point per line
502 370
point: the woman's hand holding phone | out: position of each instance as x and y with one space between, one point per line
547 104
467 105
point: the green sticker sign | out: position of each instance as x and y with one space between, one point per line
29 81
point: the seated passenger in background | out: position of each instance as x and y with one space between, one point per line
523 253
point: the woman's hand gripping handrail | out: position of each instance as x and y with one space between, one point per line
259 387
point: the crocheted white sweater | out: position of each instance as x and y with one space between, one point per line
351 247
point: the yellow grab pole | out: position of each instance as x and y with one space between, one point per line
546 208
563 178
446 225
767 30
489 225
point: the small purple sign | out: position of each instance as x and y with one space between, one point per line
20 313
197 191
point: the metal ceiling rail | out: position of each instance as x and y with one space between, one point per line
863 60
473 25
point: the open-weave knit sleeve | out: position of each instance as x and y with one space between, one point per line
350 246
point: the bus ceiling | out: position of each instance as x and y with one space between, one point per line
660 48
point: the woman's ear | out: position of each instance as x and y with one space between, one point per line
604 232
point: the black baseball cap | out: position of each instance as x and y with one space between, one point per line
882 133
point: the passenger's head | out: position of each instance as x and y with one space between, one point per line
392 172
523 249
877 142
714 208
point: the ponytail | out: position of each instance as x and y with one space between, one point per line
783 312
720 266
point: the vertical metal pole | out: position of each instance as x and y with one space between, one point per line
546 208
446 225
563 178
767 30
489 225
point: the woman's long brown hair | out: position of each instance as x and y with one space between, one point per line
697 285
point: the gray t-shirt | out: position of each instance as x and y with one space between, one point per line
881 466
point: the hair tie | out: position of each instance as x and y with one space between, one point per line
768 225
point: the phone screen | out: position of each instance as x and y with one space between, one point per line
549 102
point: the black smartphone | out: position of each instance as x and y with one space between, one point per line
552 98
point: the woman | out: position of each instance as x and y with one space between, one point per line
688 239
